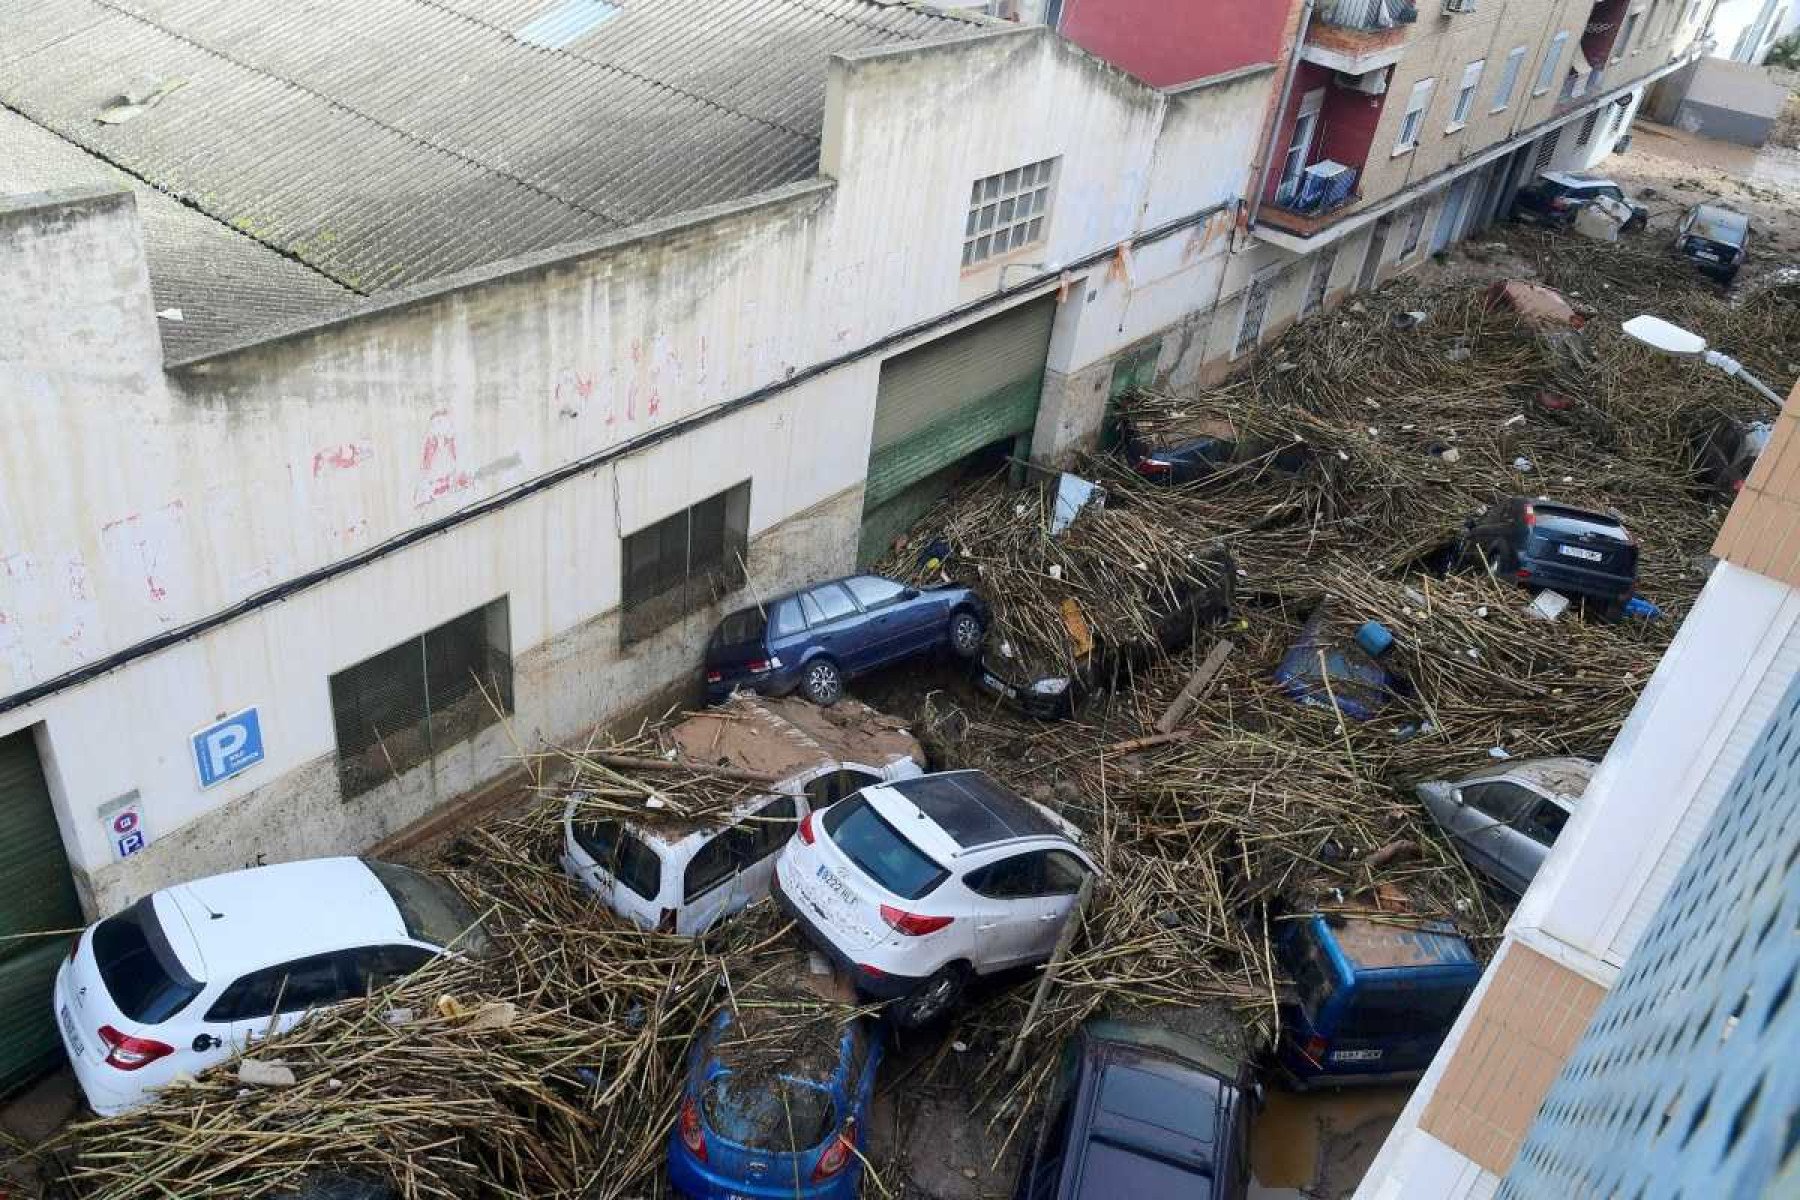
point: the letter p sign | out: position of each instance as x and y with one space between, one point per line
228 747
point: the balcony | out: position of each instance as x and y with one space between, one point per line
1310 203
1358 36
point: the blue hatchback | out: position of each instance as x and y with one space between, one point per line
793 1128
812 640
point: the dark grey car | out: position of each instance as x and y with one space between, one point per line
1505 821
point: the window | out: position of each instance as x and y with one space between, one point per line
1500 800
717 862
1034 873
1587 128
1625 34
1465 96
879 851
621 854
769 828
397 709
684 563
1620 111
785 620
1007 211
138 966
1509 78
872 591
1401 1011
1299 150
1415 229
1256 306
833 786
1544 822
825 604
1547 69
430 908
378 967
289 988
1414 120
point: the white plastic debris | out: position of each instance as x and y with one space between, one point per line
1548 605
170 314
1498 752
960 1047
264 1074
1056 570
1451 455
1482 611
1522 464
398 1016
1472 652
655 802
1006 650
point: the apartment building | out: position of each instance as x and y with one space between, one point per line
1404 127
1652 913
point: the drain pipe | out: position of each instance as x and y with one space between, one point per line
1287 96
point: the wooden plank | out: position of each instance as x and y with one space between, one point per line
1196 688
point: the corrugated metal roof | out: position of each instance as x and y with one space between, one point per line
385 143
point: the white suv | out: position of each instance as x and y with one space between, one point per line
192 974
915 885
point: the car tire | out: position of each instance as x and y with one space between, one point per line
1611 612
931 1000
965 634
821 682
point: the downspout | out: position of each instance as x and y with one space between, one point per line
1281 108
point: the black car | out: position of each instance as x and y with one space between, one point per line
812 640
1542 544
1212 448
1724 449
1716 239
1140 1111
1554 198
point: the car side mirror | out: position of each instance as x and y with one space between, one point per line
205 1041
909 594
1456 797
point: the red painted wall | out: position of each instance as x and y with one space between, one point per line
1346 124
1169 42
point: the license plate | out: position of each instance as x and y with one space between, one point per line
1708 255
837 888
77 1047
1350 1056
1578 552
994 683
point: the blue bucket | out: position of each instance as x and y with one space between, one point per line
1374 638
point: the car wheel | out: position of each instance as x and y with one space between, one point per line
933 998
965 635
822 683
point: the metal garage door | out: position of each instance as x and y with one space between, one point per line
36 894
942 402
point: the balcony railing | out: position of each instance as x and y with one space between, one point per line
1368 14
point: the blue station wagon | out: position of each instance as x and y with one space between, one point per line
812 640
751 1130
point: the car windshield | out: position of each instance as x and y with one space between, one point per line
622 854
139 967
877 847
741 628
432 910
1569 522
767 1112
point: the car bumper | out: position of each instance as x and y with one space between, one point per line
1554 574
870 982
768 683
694 1179
1043 706
100 1084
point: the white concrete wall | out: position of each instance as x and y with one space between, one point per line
1734 19
134 502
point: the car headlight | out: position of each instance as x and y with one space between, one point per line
1050 687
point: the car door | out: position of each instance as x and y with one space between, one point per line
621 867
766 832
275 999
835 625
893 627
1483 828
1538 824
710 884
1024 899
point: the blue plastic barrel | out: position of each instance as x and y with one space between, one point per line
1374 638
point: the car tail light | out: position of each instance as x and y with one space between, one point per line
758 666
807 833
1315 1048
1153 467
1530 516
912 924
1524 572
715 676
1560 204
837 1155
871 972
128 1053
692 1136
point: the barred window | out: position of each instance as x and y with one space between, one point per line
396 710
684 563
1007 211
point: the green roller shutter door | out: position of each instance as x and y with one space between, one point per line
37 893
946 400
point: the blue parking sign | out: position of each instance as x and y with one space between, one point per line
228 747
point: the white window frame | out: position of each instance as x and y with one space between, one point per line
1412 123
1301 139
1010 207
1509 78
1546 75
1465 95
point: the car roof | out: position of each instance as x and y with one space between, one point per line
1717 223
1152 1122
1379 945
246 920
975 811
1564 778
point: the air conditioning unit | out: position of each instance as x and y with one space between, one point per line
1458 6
1369 83
1325 186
